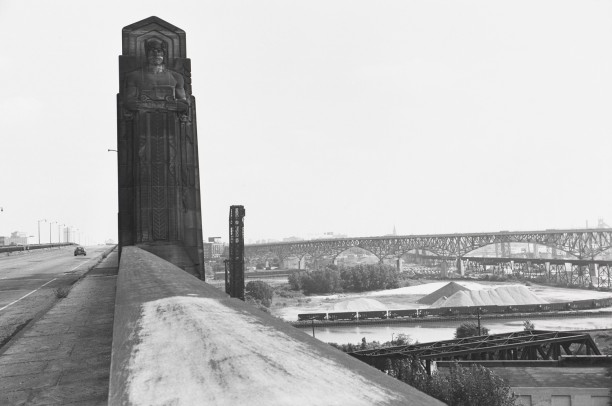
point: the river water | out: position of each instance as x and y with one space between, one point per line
437 331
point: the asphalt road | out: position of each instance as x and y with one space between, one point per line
24 274
30 282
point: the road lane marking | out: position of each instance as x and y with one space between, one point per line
78 266
91 258
23 297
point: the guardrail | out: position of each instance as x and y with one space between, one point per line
29 247
178 340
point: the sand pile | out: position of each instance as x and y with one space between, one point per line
445 291
424 289
502 296
358 305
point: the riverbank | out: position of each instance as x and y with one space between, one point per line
288 304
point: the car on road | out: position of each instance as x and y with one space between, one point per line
79 251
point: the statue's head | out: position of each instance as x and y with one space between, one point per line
155 51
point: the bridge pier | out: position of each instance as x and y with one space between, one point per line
460 269
400 262
443 269
286 263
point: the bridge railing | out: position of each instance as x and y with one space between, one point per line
29 247
178 340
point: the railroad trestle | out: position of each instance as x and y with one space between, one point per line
521 345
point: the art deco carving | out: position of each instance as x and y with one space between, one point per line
159 197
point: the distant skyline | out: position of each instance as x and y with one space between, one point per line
343 116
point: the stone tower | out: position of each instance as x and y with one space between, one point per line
157 144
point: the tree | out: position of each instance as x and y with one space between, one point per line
470 329
461 386
477 386
321 281
402 339
528 325
261 291
365 277
471 386
295 280
354 279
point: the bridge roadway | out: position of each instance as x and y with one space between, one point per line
28 281
581 243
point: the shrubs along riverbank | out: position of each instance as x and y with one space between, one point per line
359 278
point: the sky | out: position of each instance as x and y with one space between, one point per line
352 117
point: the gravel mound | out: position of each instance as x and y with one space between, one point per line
445 291
358 305
501 296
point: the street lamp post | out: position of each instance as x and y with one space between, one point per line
50 239
59 233
39 229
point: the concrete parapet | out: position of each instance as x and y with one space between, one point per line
180 341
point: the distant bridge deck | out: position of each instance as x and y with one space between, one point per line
580 243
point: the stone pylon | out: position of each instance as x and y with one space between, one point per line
157 144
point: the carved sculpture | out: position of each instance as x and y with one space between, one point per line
159 196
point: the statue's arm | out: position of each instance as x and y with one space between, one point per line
180 87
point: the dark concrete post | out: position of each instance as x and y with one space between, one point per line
236 252
157 146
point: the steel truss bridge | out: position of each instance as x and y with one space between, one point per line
580 243
586 246
574 272
521 345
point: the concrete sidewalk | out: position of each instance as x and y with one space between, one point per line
63 358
